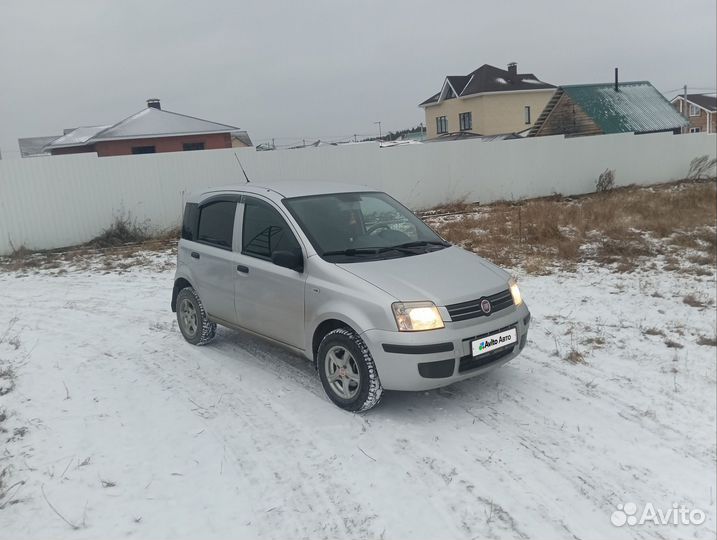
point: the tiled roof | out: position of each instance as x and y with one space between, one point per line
703 100
489 78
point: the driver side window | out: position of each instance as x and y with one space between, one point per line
265 231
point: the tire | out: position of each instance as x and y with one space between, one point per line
347 371
194 324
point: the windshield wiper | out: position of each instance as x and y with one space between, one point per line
422 243
350 252
401 248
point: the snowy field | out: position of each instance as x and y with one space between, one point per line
115 427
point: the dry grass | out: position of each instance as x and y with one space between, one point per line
653 332
709 341
623 227
122 246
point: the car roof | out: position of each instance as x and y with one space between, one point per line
283 189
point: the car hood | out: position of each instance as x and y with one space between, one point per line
445 277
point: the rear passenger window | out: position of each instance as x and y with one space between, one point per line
265 231
216 224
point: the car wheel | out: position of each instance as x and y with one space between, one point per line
194 324
348 372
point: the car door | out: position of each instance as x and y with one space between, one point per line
211 256
269 299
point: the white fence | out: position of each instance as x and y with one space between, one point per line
61 201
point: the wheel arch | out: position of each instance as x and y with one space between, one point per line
324 328
179 284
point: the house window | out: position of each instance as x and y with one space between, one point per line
143 150
441 124
526 114
216 224
694 110
465 121
694 130
193 146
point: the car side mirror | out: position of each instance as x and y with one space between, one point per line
288 259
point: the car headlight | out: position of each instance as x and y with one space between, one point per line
515 292
416 316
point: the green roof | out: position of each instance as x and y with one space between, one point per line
636 107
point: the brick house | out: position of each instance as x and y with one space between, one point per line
700 110
151 130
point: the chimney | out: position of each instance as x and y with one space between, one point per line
513 69
616 87
154 104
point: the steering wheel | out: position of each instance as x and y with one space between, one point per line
378 227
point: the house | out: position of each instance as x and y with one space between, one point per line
241 139
151 130
35 146
701 112
487 101
597 109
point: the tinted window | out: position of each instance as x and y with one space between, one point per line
189 223
265 231
143 150
216 224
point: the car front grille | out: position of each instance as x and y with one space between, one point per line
472 309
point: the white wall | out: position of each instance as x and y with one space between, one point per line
61 201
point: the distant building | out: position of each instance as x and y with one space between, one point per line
700 110
241 139
597 109
151 130
35 146
487 101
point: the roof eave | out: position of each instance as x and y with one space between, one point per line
161 135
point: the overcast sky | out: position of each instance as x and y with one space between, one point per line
321 68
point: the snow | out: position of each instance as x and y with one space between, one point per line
532 81
133 432
501 80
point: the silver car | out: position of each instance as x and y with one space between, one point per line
349 278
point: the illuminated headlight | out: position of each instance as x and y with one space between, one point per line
417 316
515 292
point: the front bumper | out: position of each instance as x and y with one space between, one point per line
435 358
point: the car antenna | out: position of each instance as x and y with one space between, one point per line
242 168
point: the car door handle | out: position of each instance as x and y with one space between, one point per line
243 269
195 255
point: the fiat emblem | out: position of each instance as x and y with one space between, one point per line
485 306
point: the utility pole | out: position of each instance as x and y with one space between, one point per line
380 134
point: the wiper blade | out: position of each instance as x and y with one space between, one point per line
401 248
421 243
350 252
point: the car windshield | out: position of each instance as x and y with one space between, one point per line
351 227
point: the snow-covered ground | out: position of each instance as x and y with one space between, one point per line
118 428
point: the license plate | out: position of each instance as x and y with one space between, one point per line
493 342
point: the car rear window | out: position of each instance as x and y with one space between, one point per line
216 224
